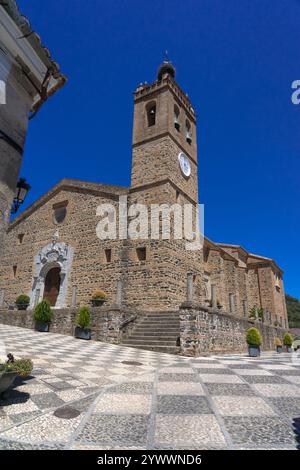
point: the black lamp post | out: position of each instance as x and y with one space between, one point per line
21 192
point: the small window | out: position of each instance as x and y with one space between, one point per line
176 118
151 114
188 132
60 212
141 254
108 255
15 269
277 288
20 238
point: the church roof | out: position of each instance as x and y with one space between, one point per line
106 190
251 257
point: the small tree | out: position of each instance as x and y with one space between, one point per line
287 340
253 337
43 312
83 319
278 342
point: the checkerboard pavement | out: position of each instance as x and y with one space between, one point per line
167 402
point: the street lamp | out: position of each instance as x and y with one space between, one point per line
20 195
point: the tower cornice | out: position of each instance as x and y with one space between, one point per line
167 81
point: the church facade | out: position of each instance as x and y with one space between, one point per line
52 250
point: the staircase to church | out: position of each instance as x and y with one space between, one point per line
156 331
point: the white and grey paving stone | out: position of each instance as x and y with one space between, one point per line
81 395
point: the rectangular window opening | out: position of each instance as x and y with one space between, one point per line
20 238
141 254
108 255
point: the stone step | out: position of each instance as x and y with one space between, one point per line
147 337
163 349
158 317
160 324
150 342
156 332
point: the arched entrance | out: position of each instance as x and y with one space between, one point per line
48 282
52 285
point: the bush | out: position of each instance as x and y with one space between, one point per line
23 299
287 340
23 367
99 295
43 312
278 342
83 319
253 337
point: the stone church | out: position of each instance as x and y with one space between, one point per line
52 249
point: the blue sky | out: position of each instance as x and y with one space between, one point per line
235 58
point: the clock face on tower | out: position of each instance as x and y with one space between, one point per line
184 164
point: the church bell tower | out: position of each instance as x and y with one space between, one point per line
164 136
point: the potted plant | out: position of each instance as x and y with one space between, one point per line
98 298
11 369
288 341
278 344
43 316
83 322
22 302
254 340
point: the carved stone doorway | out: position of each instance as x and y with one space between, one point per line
52 285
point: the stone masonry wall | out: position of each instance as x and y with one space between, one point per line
106 323
203 331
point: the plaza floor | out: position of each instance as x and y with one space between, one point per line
91 395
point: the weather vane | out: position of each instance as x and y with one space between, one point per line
166 56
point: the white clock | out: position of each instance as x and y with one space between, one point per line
184 164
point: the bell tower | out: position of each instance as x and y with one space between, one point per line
164 136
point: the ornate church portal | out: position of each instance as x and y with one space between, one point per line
52 267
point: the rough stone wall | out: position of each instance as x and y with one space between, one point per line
158 160
89 270
203 331
13 123
158 283
165 95
106 324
